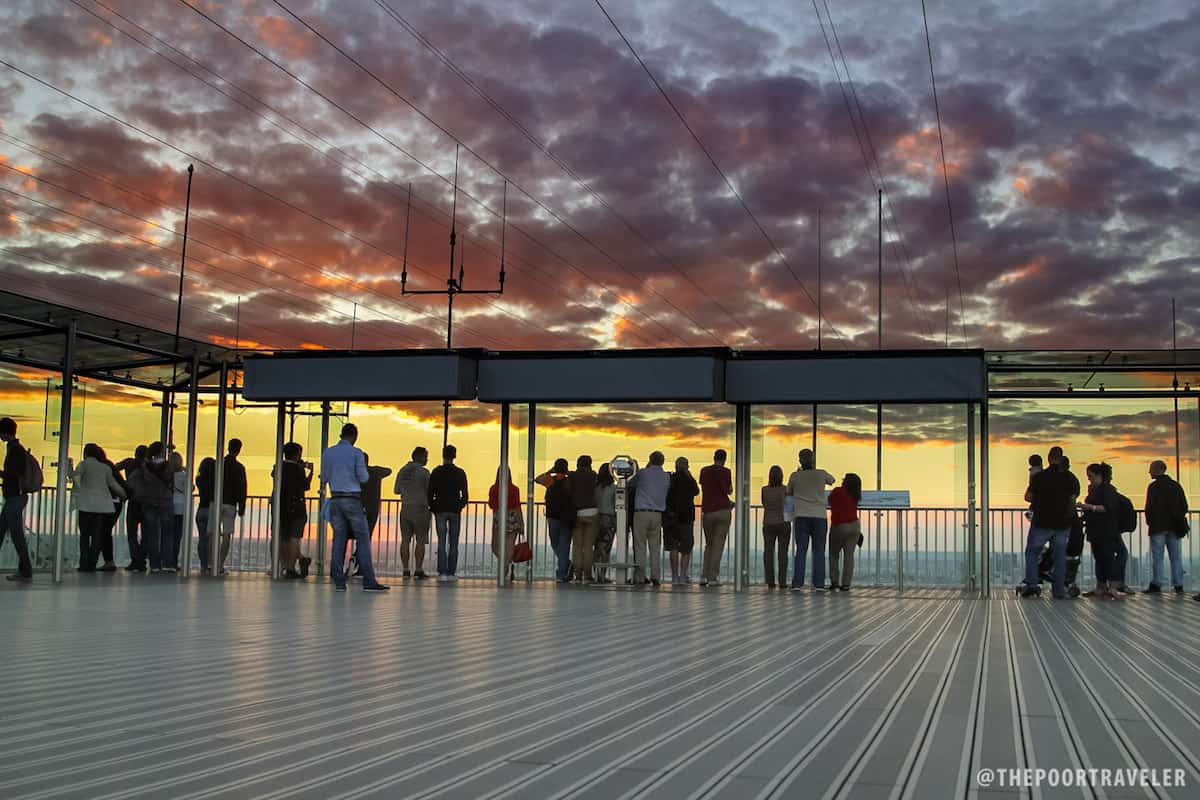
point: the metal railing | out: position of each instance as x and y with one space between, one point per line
909 548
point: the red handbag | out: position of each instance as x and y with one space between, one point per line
522 552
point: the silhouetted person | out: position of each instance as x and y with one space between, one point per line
12 518
412 484
206 479
845 531
1053 493
606 501
180 492
679 522
295 482
372 497
716 485
130 467
1167 524
1101 514
344 469
582 485
650 487
118 502
776 528
447 498
233 499
559 516
93 488
810 526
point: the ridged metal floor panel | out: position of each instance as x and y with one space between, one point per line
148 687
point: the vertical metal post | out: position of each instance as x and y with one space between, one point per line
899 550
985 546
880 292
531 473
879 516
277 491
820 295
969 577
501 520
61 501
185 558
214 508
741 534
322 525
814 434
164 417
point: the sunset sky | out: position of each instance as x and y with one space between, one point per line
1071 140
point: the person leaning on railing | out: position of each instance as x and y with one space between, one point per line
776 530
448 496
845 531
679 522
1167 524
412 484
582 485
559 516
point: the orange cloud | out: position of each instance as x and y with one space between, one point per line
282 36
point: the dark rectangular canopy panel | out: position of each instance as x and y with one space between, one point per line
893 377
384 375
649 376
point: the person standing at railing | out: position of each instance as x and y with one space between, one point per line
180 492
776 529
806 487
206 479
12 517
582 485
448 496
606 502
716 515
153 486
649 489
372 497
1101 511
295 482
233 498
1167 524
111 519
559 516
679 522
845 531
412 484
344 470
514 522
133 509
1053 493
93 487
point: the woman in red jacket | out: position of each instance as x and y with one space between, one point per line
845 531
514 524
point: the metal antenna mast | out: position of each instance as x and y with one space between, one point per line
454 285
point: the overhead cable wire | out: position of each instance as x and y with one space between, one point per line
865 143
237 179
240 276
447 180
962 317
515 184
907 273
354 283
728 183
533 139
197 241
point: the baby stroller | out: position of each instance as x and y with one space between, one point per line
1075 542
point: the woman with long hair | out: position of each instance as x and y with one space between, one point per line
776 528
845 532
514 523
606 501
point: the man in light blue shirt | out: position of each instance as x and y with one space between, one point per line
649 488
344 469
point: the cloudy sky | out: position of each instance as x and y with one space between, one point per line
1070 133
1071 140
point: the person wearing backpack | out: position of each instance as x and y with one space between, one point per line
1102 517
1166 522
20 470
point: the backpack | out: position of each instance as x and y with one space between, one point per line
1127 519
31 475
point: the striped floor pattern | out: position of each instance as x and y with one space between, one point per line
148 687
